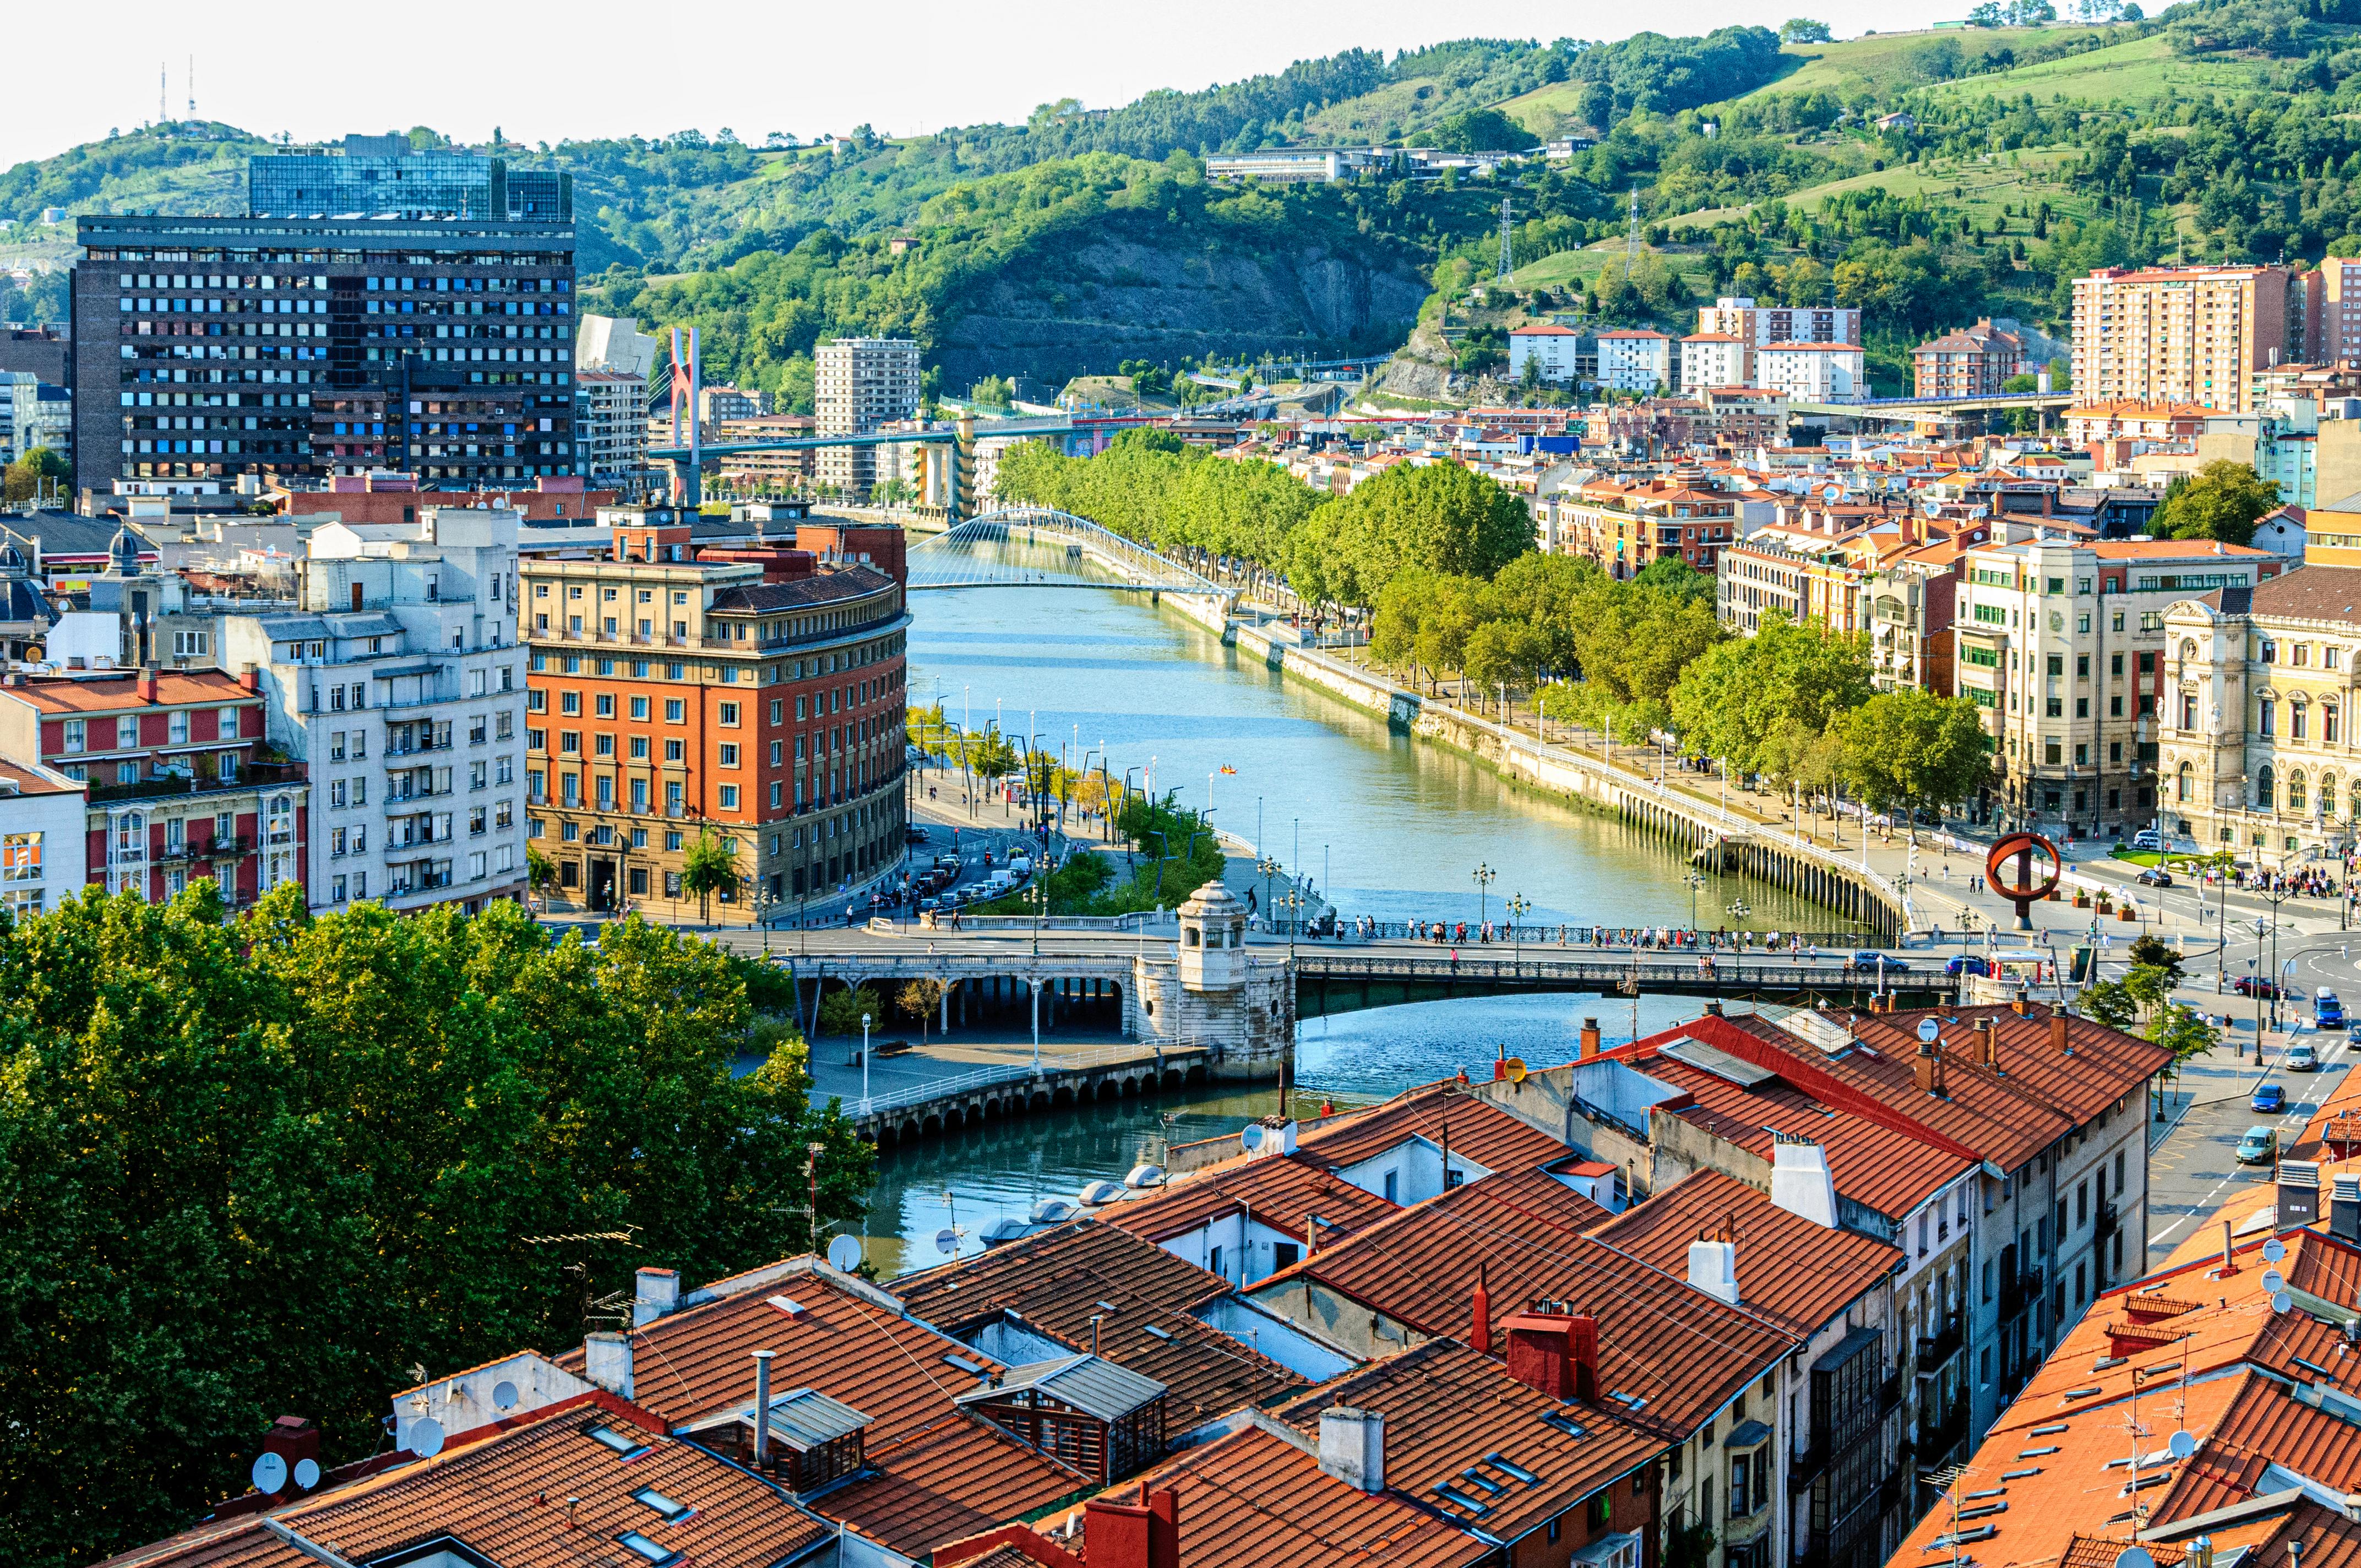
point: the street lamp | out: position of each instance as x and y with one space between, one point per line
864 1064
1519 906
1484 875
1696 881
1270 867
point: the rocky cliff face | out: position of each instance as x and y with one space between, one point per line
1131 289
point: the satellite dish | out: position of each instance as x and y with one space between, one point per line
2273 1281
307 1474
2182 1445
426 1437
269 1474
2274 1250
947 1242
2281 1302
844 1253
1514 1070
1251 1137
504 1395
2134 1557
1928 1029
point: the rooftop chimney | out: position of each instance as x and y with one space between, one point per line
1987 1044
1800 1182
147 686
2299 1192
1353 1447
2344 1208
658 1292
1926 1068
2057 1041
1713 1268
1589 1039
607 1361
1553 1353
2201 1553
763 1409
2023 1005
250 676
1480 1316
1145 1534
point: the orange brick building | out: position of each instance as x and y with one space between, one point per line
747 693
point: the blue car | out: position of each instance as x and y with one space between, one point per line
2269 1097
1966 964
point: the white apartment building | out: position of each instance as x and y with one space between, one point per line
1816 372
400 684
1760 325
2061 643
44 836
610 426
1552 344
32 415
860 384
1715 359
1635 360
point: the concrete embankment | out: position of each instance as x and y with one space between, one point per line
1704 830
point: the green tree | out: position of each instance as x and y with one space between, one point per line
1907 749
541 871
40 473
2152 951
841 1011
919 998
2221 500
194 1113
710 866
1736 694
1804 30
2112 1004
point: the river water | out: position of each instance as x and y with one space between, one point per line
1386 827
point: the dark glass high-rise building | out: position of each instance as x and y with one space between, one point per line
303 347
384 176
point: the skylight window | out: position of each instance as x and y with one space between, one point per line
654 1551
1563 1423
628 1444
1155 1332
1508 1466
972 1368
670 1511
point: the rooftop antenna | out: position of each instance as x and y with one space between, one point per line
1503 273
163 99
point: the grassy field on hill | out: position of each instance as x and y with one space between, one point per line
2136 72
1981 190
1881 64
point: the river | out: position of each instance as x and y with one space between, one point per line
1387 826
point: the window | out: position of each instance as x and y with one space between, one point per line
676 710
730 715
20 857
639 707
728 797
729 756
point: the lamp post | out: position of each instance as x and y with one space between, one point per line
1518 906
1696 881
1270 867
864 1064
1484 875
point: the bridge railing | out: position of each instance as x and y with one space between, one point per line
1605 974
1553 937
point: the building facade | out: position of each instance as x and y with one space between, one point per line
2197 334
1635 360
44 838
1813 372
1760 325
859 386
1973 362
1711 359
2258 755
611 427
181 786
1553 348
2062 643
210 348
751 697
399 687
385 174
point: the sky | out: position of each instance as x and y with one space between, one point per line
589 68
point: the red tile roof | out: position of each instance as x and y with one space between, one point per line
1058 1280
1477 1131
506 1497
173 689
1283 1191
1256 1499
1677 1349
1799 1273
1449 1407
941 1473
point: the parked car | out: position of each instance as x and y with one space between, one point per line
2301 1057
2254 985
913 834
2327 1010
2269 1099
2155 876
2353 1033
1871 959
1966 963
2259 1147
2145 839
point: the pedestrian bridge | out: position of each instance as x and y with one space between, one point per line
1039 548
1329 981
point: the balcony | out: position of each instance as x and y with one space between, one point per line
1935 1349
2107 1223
2020 1292
1889 1394
1804 1467
1941 1435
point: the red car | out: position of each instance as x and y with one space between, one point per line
2254 985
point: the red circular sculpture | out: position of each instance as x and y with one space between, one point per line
2023 890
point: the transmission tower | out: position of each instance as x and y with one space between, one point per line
1503 274
193 88
1631 237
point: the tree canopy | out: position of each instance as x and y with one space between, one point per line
267 1168
2222 500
